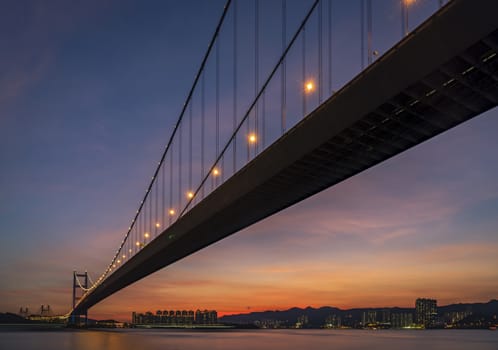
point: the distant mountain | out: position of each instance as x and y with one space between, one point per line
315 316
489 308
318 316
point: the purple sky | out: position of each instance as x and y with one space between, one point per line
89 92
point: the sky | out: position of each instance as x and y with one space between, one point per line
89 94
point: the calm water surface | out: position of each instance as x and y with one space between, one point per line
131 339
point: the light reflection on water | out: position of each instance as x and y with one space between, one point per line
132 339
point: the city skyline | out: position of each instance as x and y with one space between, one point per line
425 313
88 100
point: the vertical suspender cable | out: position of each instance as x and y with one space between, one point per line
320 52
362 33
403 24
150 213
256 71
234 83
190 160
406 18
263 117
263 121
202 129
283 87
146 216
170 185
149 208
144 224
303 33
134 239
163 176
217 106
402 19
180 146
369 31
330 47
155 204
137 237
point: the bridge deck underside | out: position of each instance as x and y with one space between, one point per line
462 88
401 100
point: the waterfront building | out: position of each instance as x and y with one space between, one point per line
270 324
302 321
401 319
369 318
333 321
426 312
176 317
452 318
206 317
385 316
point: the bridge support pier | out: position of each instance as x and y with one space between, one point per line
80 318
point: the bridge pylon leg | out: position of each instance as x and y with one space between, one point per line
80 318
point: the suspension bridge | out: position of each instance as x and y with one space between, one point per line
250 141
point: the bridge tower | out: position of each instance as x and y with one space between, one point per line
45 310
24 312
79 289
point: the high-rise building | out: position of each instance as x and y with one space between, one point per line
451 318
401 319
369 318
206 317
386 316
333 321
426 312
302 321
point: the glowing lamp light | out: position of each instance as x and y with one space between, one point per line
146 235
129 250
137 244
124 256
252 138
158 224
409 2
190 194
309 87
216 172
119 261
171 212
